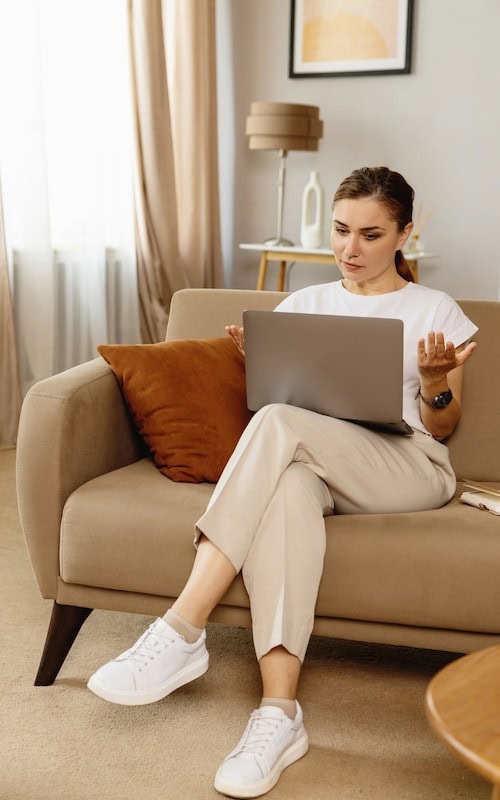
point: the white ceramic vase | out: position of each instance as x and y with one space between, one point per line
311 225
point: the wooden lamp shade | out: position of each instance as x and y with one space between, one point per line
283 126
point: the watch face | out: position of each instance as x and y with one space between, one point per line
442 400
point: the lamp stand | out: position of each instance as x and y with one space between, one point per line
278 240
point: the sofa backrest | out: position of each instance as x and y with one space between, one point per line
475 443
203 313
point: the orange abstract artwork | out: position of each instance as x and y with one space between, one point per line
342 30
336 36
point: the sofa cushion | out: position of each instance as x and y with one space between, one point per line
188 401
436 569
132 530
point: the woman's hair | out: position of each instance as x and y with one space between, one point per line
390 189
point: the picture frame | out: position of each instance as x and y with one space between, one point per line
347 38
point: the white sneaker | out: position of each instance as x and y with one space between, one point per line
270 743
158 663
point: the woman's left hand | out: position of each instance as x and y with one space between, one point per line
439 358
237 334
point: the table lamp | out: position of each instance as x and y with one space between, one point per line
283 127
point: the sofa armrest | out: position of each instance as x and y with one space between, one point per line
74 427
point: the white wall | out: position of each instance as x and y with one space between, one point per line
439 126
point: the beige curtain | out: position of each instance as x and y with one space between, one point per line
172 45
189 27
10 393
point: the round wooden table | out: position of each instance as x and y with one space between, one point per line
463 707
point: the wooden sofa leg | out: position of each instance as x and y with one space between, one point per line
64 626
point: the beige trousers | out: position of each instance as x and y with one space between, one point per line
288 470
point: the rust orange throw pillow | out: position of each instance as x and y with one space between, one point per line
188 401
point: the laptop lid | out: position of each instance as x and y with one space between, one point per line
341 366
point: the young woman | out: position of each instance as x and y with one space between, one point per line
291 468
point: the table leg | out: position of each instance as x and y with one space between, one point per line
262 272
282 275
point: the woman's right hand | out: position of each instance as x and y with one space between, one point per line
238 337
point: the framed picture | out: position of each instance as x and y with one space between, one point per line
338 38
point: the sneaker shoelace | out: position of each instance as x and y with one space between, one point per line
149 646
259 732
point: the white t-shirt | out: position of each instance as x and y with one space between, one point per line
421 309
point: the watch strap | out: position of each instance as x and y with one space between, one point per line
441 400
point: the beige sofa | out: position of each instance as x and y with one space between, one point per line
106 530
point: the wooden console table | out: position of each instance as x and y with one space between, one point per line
285 255
463 708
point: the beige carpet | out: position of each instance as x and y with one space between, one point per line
363 707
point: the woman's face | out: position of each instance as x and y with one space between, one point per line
365 239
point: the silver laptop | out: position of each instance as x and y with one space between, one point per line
345 367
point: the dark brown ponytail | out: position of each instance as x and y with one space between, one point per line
403 267
391 189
